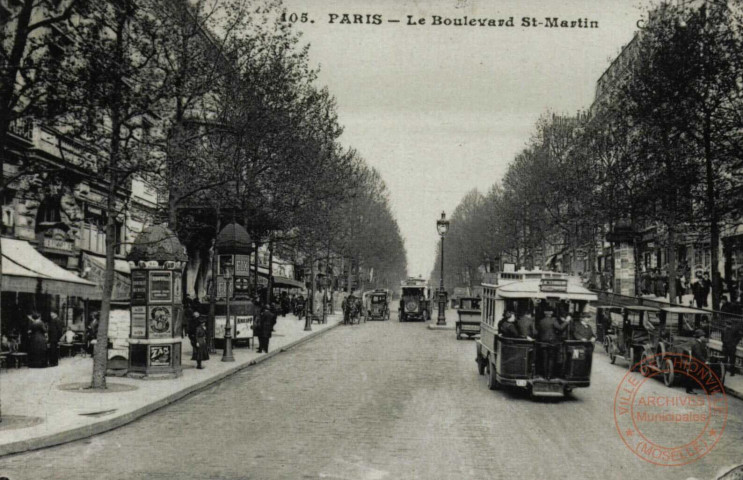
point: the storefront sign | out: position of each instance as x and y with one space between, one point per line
139 287
139 322
161 321
161 287
58 244
160 355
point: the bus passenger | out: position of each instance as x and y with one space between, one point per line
503 321
509 329
526 326
549 334
582 330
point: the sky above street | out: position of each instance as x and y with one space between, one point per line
440 110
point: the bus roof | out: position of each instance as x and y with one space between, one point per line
531 289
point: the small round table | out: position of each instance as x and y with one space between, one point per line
19 358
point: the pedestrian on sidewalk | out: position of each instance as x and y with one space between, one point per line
731 337
263 327
202 349
193 324
697 289
54 330
37 342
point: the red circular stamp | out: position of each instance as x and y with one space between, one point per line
666 426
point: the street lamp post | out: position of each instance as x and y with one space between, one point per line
227 353
442 225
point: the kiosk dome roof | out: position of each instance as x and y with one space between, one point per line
234 239
157 242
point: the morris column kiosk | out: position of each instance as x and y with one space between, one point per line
234 247
157 260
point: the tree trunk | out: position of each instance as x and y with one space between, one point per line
714 221
349 283
255 270
270 271
672 267
312 288
100 353
213 287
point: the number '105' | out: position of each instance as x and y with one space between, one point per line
294 17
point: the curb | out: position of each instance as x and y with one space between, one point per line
734 393
80 433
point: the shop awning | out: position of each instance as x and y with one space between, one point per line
25 270
280 281
96 268
286 282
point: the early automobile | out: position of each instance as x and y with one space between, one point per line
459 293
468 317
378 307
415 301
514 361
606 316
630 339
674 336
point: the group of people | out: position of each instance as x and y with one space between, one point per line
43 337
549 332
263 326
352 308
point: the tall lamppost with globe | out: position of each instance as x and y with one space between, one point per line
227 353
442 225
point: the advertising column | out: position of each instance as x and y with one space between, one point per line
156 312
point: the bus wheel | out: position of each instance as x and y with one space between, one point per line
669 376
492 380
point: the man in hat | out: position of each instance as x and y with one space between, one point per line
263 327
699 353
731 336
201 349
549 335
193 323
582 330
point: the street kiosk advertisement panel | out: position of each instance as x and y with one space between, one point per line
161 290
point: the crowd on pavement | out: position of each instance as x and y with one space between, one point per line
692 288
39 342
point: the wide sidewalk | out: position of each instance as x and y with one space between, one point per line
43 407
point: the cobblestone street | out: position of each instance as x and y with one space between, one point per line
378 400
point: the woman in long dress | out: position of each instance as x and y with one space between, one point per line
37 342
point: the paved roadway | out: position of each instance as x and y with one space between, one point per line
374 401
